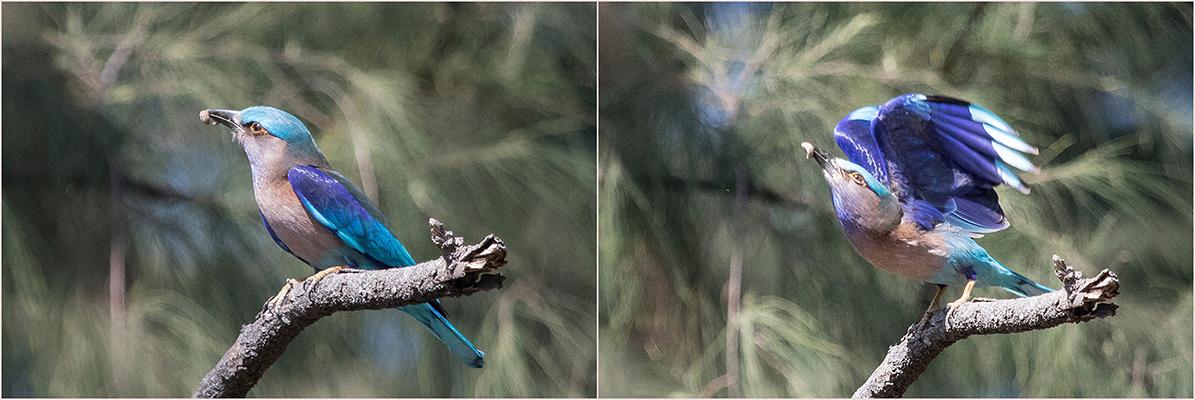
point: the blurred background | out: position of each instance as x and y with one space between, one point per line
132 246
709 206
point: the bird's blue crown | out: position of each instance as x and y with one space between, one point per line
279 123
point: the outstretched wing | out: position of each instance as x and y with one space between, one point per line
332 200
951 153
854 137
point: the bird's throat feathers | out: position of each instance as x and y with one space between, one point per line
272 158
874 215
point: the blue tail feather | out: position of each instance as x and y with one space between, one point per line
1019 284
457 343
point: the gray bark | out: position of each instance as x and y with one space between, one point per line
460 271
1080 300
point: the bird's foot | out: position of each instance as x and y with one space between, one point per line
314 279
933 306
925 318
954 304
318 276
950 307
276 301
966 297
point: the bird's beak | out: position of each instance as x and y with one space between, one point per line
229 118
816 154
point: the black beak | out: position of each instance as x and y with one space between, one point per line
816 154
229 118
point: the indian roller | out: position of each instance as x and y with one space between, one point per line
918 186
319 216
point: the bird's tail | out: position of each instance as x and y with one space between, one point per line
433 319
1018 284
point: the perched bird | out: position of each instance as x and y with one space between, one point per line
317 215
918 187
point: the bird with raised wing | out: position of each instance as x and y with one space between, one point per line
319 216
917 187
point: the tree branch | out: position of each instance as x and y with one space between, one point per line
461 270
1080 300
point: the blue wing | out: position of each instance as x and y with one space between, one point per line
854 137
332 200
338 205
942 151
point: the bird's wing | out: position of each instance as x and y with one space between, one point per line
950 153
338 205
854 137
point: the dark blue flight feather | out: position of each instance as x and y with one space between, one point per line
941 152
924 214
854 137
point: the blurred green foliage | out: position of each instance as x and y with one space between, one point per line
480 115
704 107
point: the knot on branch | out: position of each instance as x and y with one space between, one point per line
445 239
1084 295
468 260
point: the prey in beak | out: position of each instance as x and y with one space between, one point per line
811 151
229 118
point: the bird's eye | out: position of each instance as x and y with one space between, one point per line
857 178
256 129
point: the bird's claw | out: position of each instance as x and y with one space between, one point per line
315 279
277 300
966 297
312 280
954 304
925 318
933 307
951 306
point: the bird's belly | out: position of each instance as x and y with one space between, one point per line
303 236
921 259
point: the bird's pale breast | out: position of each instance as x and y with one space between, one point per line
905 251
292 224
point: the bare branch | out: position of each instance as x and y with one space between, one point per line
461 271
1080 300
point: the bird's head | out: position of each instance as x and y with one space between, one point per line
856 192
270 137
